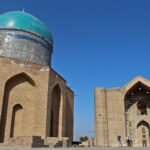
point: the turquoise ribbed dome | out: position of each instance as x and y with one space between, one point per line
24 21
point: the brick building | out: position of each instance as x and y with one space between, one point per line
36 106
123 112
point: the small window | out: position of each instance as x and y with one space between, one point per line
143 130
142 109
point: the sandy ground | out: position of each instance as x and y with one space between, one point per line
72 148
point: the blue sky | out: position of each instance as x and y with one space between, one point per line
97 43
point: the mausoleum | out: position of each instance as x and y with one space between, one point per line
36 105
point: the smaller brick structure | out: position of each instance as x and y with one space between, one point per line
123 114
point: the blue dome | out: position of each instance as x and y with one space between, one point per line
24 21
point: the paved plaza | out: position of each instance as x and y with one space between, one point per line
72 148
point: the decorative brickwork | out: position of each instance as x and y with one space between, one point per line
25 46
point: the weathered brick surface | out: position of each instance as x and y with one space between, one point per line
113 117
26 98
27 141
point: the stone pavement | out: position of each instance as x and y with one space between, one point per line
73 148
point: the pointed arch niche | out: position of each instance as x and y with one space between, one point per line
138 94
15 87
56 112
16 121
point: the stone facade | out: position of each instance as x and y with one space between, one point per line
123 112
34 101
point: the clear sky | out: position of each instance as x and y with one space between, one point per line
97 43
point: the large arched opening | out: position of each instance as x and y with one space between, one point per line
15 86
143 133
137 105
55 111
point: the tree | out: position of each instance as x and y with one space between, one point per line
83 138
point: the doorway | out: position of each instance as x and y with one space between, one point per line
144 143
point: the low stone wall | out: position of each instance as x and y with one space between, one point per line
57 142
88 143
26 141
37 141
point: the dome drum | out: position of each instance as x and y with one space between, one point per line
26 46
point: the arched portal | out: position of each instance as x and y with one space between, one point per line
11 84
16 121
137 105
55 111
143 133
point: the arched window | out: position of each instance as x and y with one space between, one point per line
143 130
142 108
